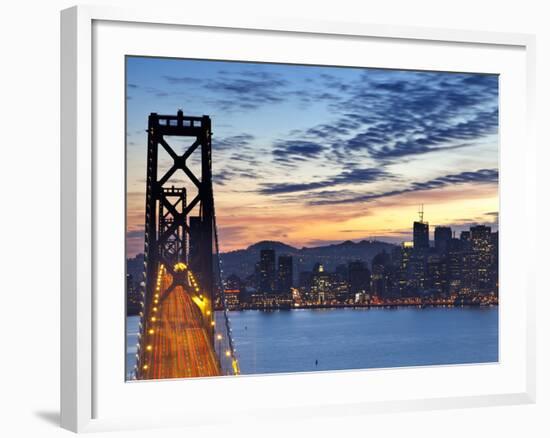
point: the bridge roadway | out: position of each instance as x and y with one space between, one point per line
179 346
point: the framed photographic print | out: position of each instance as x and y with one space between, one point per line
346 210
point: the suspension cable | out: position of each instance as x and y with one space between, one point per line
221 288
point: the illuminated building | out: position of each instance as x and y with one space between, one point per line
133 297
232 297
403 267
437 275
454 266
380 278
321 285
482 252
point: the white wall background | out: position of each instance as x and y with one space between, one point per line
29 214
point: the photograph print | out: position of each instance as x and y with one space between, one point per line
287 218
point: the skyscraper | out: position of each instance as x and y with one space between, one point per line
321 285
267 270
482 250
442 238
481 237
284 274
421 237
454 265
359 277
381 266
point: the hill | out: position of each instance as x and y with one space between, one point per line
242 262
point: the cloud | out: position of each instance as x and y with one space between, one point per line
354 176
380 142
296 150
479 176
182 79
246 90
389 115
222 177
235 142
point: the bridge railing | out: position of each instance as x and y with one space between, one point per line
223 344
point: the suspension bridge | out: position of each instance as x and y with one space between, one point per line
184 327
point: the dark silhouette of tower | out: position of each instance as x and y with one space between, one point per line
421 238
284 274
421 233
267 270
442 238
359 277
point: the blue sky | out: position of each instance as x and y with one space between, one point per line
311 155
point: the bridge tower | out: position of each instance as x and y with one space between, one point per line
172 221
168 209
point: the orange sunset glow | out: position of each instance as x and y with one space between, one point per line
316 155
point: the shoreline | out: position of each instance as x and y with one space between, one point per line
358 306
389 306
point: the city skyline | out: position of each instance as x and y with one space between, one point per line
454 270
318 155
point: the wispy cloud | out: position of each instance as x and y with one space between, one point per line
296 150
234 142
354 176
390 115
479 176
247 90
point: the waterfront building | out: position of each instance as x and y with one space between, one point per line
454 266
380 278
482 253
321 288
437 275
359 277
284 274
267 271
405 254
232 298
133 296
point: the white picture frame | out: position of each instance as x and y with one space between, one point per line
83 171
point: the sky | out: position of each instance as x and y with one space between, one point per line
313 155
